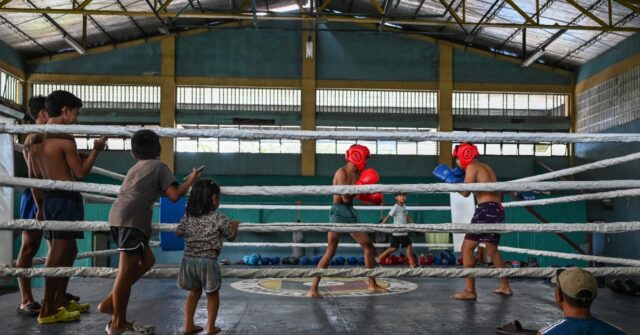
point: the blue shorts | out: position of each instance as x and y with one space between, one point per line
63 206
28 207
341 213
487 212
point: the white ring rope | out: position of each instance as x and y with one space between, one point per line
97 170
418 136
343 189
573 198
171 273
613 227
327 207
581 168
324 245
91 254
588 258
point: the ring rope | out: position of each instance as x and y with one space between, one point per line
91 254
97 170
418 136
343 189
171 273
573 198
612 227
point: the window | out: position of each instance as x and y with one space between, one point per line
376 101
510 104
85 142
238 99
10 88
97 97
385 147
522 149
234 145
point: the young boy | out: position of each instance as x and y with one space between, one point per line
400 215
57 158
130 222
31 208
488 210
342 211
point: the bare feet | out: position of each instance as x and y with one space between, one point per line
215 330
378 260
375 288
503 291
465 295
193 330
314 294
103 308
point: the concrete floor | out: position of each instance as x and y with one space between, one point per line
426 310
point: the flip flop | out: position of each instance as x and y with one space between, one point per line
515 328
61 316
31 309
132 329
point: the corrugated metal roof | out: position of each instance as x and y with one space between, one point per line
33 35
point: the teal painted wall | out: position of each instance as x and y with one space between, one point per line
473 67
375 56
131 61
240 53
11 56
625 49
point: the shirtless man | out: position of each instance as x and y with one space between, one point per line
58 159
30 208
342 211
488 210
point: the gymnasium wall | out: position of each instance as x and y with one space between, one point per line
608 95
11 57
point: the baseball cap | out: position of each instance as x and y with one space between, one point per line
576 283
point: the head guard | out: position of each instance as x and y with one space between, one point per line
466 153
358 155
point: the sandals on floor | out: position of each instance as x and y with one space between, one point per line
31 309
133 329
61 316
515 328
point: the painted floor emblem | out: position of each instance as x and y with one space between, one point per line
337 287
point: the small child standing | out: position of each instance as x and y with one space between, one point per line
204 230
400 215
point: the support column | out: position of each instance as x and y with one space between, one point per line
308 103
445 100
573 117
168 98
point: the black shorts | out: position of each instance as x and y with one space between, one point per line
487 212
129 240
400 241
63 206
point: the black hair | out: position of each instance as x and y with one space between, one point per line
583 303
36 104
400 193
57 100
145 144
200 198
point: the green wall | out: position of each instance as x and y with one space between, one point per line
240 53
625 49
473 67
140 60
11 56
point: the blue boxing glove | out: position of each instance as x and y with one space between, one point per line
446 174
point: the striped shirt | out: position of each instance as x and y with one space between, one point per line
573 326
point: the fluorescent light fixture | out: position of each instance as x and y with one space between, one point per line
72 43
284 9
533 57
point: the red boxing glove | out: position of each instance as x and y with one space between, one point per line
367 177
375 198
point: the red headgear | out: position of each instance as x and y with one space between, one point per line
358 154
466 153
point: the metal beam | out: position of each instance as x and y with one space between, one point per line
95 23
4 2
324 5
376 5
526 17
597 38
587 13
22 34
628 5
84 4
539 12
164 6
453 13
387 3
328 18
254 11
144 33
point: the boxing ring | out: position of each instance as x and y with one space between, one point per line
529 279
